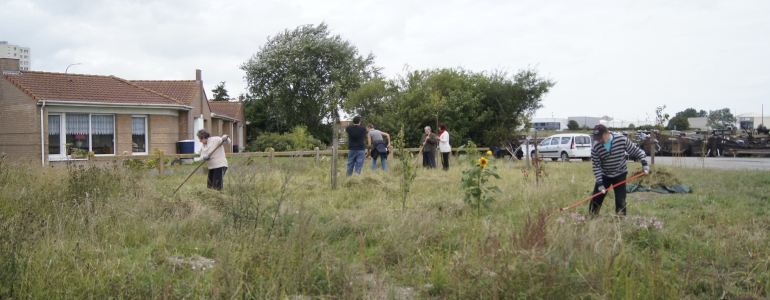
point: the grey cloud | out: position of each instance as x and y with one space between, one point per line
624 57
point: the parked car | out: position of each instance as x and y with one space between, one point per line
565 146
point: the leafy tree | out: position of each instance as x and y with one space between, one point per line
631 126
680 119
687 113
303 76
482 107
720 119
219 93
679 123
660 117
297 139
573 125
408 168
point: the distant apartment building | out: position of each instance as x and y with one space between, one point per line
548 124
23 54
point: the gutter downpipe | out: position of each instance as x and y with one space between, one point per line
42 141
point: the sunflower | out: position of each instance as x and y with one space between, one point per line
489 152
483 162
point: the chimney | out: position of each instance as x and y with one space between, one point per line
240 98
198 76
9 64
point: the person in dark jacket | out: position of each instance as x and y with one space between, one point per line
608 156
356 146
429 142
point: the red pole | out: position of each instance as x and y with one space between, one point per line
597 194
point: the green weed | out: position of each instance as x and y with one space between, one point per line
280 231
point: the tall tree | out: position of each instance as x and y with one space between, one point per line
573 125
303 77
678 123
219 93
481 107
720 119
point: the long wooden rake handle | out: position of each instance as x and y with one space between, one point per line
196 169
599 193
418 155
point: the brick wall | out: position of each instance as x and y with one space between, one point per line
185 125
227 129
123 141
201 107
9 64
19 123
216 128
163 133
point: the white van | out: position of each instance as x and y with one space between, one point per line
565 146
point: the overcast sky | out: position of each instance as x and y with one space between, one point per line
615 58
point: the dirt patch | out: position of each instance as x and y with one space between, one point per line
660 176
196 262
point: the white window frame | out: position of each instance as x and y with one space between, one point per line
91 134
63 134
62 140
146 135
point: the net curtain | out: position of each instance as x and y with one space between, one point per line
77 124
54 125
103 125
137 126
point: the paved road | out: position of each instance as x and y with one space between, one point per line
735 163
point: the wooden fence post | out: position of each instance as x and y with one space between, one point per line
91 159
652 147
527 155
161 165
270 155
335 153
317 154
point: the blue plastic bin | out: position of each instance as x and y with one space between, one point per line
186 147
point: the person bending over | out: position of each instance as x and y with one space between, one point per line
215 155
608 156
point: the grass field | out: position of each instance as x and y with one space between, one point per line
280 232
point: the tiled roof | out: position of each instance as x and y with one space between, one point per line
228 109
181 90
85 88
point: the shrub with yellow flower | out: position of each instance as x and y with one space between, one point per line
474 182
483 162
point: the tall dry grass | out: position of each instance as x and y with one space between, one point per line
279 231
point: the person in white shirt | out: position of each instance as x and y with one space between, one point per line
215 155
443 146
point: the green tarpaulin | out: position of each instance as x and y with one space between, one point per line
678 188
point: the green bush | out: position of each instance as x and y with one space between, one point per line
297 139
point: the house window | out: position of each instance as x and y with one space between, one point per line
54 134
89 133
139 134
77 132
103 134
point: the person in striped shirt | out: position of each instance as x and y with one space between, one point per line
608 156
